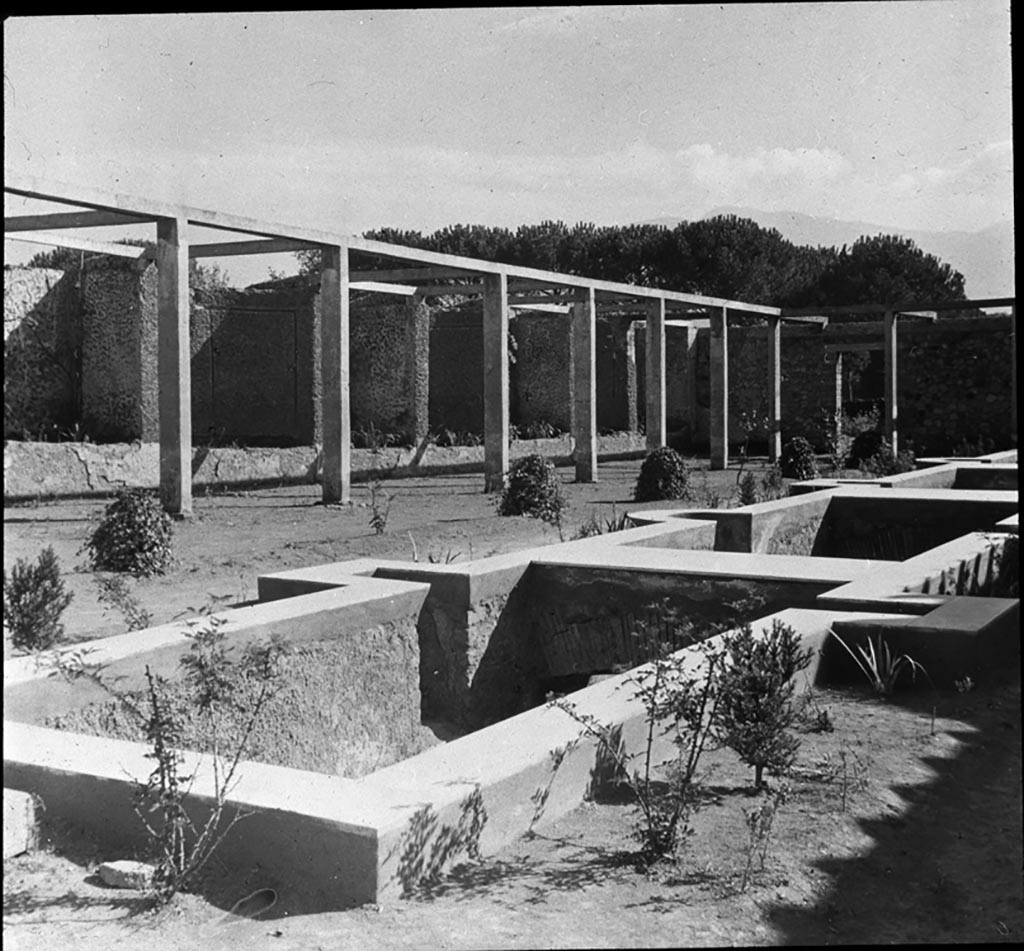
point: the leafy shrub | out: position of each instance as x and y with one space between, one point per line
678 701
214 689
663 475
885 462
755 690
798 460
532 488
34 600
133 536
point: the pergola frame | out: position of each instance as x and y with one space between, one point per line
500 286
928 310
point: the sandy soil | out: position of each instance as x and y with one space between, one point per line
236 536
927 849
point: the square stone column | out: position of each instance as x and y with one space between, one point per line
655 373
891 421
334 355
496 382
584 353
174 367
774 389
719 414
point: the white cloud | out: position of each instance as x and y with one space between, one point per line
355 185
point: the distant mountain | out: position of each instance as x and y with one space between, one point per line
985 258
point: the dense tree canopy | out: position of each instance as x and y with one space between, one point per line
725 256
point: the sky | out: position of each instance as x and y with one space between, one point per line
895 113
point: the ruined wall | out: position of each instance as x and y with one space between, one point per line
119 351
541 378
954 382
617 392
252 366
457 369
42 359
389 366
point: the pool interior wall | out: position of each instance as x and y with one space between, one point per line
332 841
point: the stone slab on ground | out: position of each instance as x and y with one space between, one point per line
20 827
126 873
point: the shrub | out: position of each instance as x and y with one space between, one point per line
134 536
213 687
798 460
746 490
532 488
885 462
678 701
662 476
34 600
755 691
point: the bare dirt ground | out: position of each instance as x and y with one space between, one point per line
235 536
927 849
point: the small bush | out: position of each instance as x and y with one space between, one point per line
532 488
798 460
34 600
134 536
755 691
662 476
746 491
885 462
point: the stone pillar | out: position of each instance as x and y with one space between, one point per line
891 421
417 342
655 373
584 354
718 421
1013 374
774 389
496 383
334 356
174 370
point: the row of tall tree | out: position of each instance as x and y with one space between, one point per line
725 256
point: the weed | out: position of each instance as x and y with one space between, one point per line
755 687
445 558
134 536
759 831
380 504
181 845
852 774
702 493
880 665
34 600
113 591
594 526
772 484
966 685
